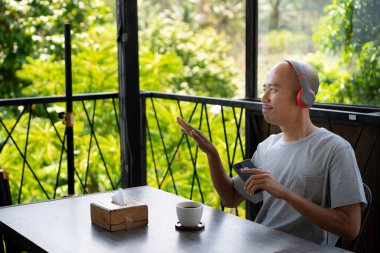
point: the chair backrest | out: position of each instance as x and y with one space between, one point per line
365 212
5 193
5 200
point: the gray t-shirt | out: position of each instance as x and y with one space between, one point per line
320 167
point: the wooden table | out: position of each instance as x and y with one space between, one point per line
64 225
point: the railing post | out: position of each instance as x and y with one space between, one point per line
251 84
69 119
143 140
133 171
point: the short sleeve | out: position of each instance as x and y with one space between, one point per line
346 185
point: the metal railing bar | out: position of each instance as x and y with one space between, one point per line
208 126
370 115
231 159
226 141
118 130
151 150
319 107
118 184
62 149
97 144
27 163
25 152
13 128
240 139
187 141
237 133
63 145
59 165
205 100
195 174
56 99
210 138
201 99
53 124
165 151
316 106
116 115
196 158
89 150
238 136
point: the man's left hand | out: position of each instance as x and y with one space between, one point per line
262 179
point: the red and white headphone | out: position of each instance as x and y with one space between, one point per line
305 95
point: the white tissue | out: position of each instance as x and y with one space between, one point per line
118 198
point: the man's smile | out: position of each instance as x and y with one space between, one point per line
266 107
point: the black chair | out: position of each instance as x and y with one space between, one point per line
352 246
6 200
5 197
5 193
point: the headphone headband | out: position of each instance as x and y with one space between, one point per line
305 96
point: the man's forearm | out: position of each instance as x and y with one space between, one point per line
343 221
222 183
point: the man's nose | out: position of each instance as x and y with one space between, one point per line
265 97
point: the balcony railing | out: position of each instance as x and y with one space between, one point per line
33 151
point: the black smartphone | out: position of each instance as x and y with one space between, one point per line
245 164
241 165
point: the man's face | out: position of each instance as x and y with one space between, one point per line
279 98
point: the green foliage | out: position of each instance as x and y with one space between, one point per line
207 70
279 41
352 34
94 67
35 29
44 154
171 59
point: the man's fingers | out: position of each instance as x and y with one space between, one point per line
184 131
199 133
255 171
186 126
196 135
191 131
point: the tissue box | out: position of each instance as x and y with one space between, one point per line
114 217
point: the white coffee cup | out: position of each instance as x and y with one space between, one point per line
189 213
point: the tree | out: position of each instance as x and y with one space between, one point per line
35 29
207 69
353 35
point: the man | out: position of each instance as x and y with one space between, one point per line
310 177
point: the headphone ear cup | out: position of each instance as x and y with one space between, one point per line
299 100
